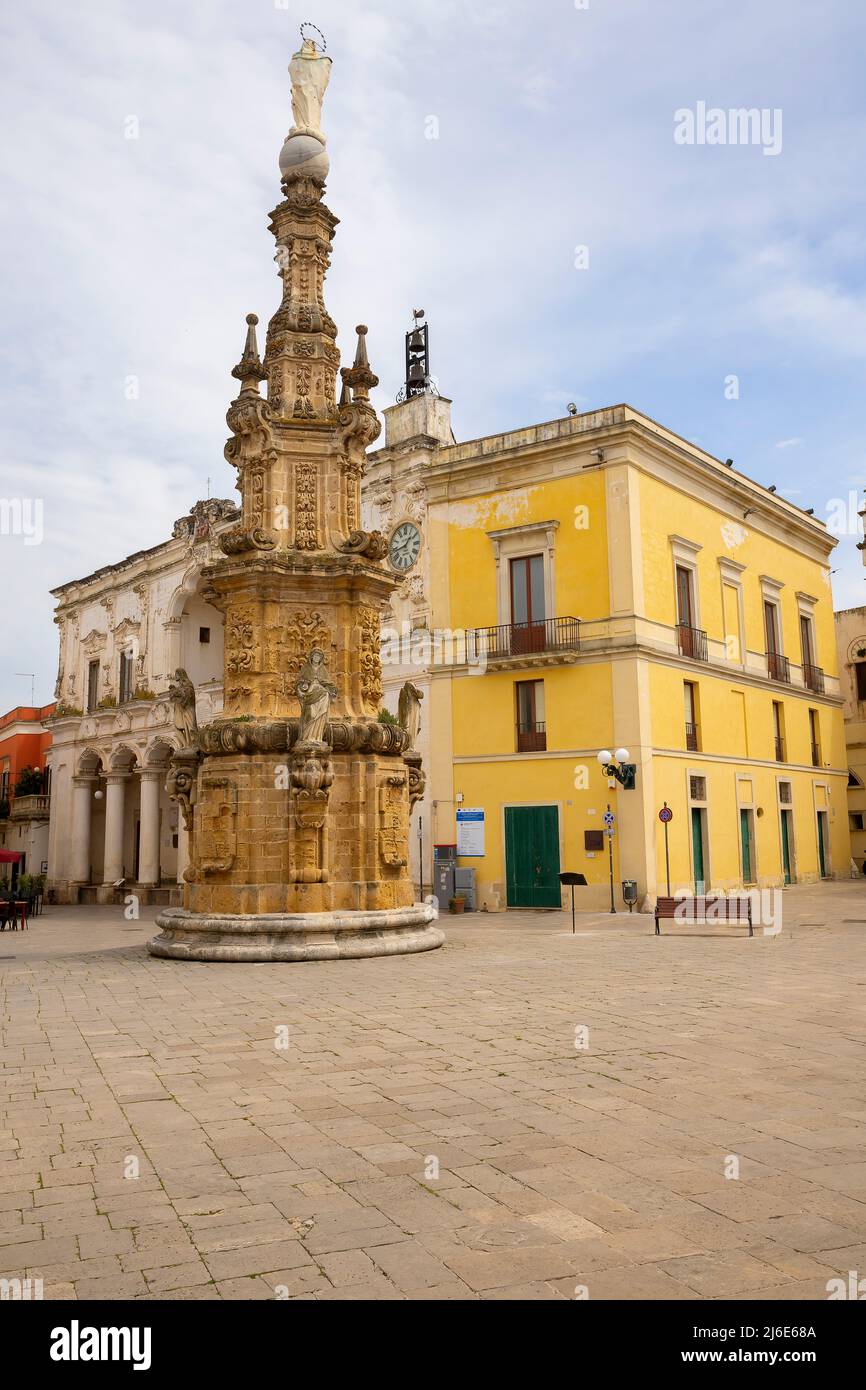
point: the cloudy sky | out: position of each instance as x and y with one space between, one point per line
555 128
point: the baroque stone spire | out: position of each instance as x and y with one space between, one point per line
298 797
299 456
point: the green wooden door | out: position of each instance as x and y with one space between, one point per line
532 856
698 848
786 846
746 843
822 851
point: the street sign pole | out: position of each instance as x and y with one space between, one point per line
609 823
667 858
420 862
666 815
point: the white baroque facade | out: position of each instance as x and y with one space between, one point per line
124 631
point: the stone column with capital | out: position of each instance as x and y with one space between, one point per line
115 801
82 791
151 779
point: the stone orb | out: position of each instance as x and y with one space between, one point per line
303 156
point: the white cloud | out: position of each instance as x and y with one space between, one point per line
141 257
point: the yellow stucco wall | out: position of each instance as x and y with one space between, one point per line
583 702
582 581
666 511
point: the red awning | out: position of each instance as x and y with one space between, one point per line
10 856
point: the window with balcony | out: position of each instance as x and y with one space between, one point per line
531 726
126 682
692 640
778 667
779 731
693 740
815 737
92 685
527 603
813 676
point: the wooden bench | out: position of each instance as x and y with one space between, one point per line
696 909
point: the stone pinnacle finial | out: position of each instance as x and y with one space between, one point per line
359 376
249 371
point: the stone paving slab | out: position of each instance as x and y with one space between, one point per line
523 1114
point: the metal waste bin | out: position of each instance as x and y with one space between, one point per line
629 892
443 884
464 886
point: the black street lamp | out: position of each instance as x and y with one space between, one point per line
618 765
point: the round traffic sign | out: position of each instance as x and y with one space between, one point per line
666 814
608 818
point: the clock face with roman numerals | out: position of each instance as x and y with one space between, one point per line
404 546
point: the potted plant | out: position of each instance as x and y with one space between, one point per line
456 904
30 782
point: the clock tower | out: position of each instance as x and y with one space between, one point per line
394 501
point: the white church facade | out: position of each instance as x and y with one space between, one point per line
123 632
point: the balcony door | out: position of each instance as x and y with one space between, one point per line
686 632
527 604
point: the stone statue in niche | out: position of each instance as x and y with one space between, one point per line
315 690
181 693
409 711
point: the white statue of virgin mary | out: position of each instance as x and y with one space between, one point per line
309 71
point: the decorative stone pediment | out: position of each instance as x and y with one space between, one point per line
129 627
159 715
94 642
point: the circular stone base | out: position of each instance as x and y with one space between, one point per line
295 935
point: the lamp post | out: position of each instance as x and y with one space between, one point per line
617 766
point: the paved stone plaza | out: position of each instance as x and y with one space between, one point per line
308 1171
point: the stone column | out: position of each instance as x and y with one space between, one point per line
148 850
82 788
182 847
115 800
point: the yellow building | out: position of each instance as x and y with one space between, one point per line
598 583
851 645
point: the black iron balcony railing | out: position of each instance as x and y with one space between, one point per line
778 667
523 639
780 750
531 738
692 641
816 755
813 678
692 743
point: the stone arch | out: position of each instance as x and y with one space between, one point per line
187 611
123 759
158 751
188 585
89 763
